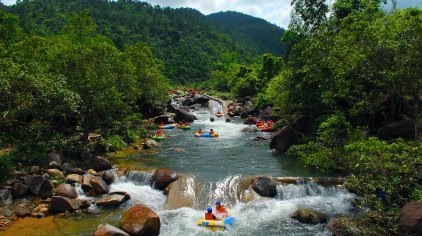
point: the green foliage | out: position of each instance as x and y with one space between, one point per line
307 15
186 41
115 141
6 165
392 167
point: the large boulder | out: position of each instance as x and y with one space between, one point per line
188 102
400 129
410 221
237 110
249 129
163 177
66 190
284 138
62 204
140 220
99 185
309 216
108 230
303 124
21 212
201 99
265 114
39 185
111 200
99 164
161 119
6 198
20 190
182 115
265 186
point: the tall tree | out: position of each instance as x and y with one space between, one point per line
307 15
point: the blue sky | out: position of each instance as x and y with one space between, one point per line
274 11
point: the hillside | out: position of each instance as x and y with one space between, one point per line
188 42
253 32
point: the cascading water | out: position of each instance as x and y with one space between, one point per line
217 169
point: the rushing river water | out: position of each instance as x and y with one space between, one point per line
214 169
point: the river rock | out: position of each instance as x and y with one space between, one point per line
6 198
108 176
34 170
56 156
163 177
39 185
284 138
177 196
54 165
55 174
111 200
73 179
62 204
21 212
83 203
248 129
100 164
303 124
99 185
86 183
265 186
161 119
77 171
109 230
127 195
344 226
260 138
410 221
140 220
237 110
150 143
66 190
309 216
19 190
182 115
67 167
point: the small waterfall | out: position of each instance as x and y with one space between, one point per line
140 177
226 191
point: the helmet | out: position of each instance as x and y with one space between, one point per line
209 209
217 203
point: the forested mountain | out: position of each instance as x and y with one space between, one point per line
254 32
188 42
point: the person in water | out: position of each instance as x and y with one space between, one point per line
161 124
209 215
159 132
186 123
221 210
212 131
200 131
250 120
180 124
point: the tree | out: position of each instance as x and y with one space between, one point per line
307 15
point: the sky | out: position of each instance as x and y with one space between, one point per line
274 11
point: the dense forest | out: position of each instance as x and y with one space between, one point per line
188 42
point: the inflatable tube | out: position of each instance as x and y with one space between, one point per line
219 115
167 126
215 225
266 129
159 138
184 127
206 135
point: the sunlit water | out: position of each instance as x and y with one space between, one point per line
215 167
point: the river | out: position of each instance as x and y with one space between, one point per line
213 170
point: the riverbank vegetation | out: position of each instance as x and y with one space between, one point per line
57 89
358 74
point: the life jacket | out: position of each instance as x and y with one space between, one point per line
209 216
221 209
